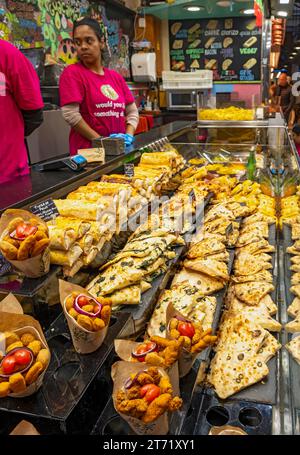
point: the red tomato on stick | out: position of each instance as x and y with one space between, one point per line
150 392
22 357
8 364
186 329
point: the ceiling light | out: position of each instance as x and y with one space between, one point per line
284 2
291 58
194 8
247 11
297 48
294 53
282 13
224 3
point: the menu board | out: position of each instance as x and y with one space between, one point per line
230 47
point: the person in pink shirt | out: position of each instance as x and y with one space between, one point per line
20 110
95 101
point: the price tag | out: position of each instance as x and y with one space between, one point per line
45 209
129 169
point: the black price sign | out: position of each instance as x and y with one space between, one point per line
45 210
129 169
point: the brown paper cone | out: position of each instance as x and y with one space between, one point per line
84 341
120 372
124 349
22 323
24 428
11 305
32 267
186 359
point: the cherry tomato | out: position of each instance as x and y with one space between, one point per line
20 230
83 300
186 329
8 364
22 357
144 349
150 392
29 230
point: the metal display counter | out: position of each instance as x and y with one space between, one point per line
272 408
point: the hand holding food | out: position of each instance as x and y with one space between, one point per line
191 335
147 395
21 364
90 313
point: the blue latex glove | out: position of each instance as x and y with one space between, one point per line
128 138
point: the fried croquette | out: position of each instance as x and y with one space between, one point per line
17 383
17 344
85 322
43 357
73 313
105 314
33 373
27 338
165 385
135 408
4 389
157 407
35 346
144 378
175 404
155 375
133 392
98 324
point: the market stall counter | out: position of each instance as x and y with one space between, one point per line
24 191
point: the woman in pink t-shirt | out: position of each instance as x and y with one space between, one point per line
20 110
96 101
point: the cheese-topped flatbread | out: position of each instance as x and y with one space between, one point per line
295 268
294 348
246 264
293 326
251 293
207 285
294 309
267 300
295 231
263 275
208 266
257 314
257 247
205 248
219 210
295 278
126 296
188 301
295 259
261 229
269 348
296 290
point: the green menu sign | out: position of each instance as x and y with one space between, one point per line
230 47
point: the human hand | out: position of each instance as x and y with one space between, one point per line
128 138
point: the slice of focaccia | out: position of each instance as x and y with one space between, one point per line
251 293
294 309
294 348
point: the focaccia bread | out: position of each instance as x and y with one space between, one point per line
294 348
294 309
293 326
251 293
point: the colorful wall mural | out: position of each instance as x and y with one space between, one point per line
48 24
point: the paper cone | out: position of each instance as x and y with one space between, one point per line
24 428
186 359
20 323
124 349
32 267
83 340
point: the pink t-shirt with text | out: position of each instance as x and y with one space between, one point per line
19 89
102 100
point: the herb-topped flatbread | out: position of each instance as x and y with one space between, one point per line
251 293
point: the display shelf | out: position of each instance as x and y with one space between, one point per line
207 412
68 377
28 287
